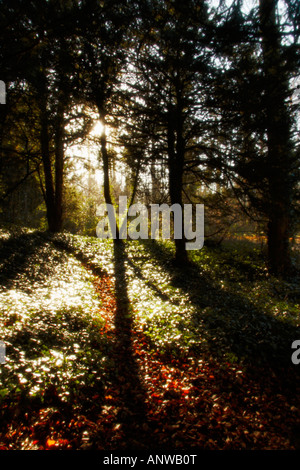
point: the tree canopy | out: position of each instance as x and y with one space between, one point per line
198 102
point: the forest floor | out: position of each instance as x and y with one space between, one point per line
111 348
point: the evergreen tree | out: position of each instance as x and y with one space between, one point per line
104 35
280 155
40 50
171 61
252 95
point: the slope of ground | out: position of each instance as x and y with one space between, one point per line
112 348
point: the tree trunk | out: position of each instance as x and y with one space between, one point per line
59 168
278 129
106 178
53 187
175 164
49 193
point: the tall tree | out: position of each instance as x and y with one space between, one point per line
39 57
103 31
259 153
171 61
280 155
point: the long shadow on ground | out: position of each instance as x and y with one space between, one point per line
233 327
229 322
135 429
133 412
15 254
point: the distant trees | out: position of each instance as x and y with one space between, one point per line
20 195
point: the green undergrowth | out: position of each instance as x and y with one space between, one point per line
223 304
50 320
222 311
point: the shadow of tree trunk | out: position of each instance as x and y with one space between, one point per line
133 408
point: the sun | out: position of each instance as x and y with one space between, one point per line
98 129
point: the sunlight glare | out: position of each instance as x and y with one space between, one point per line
98 129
